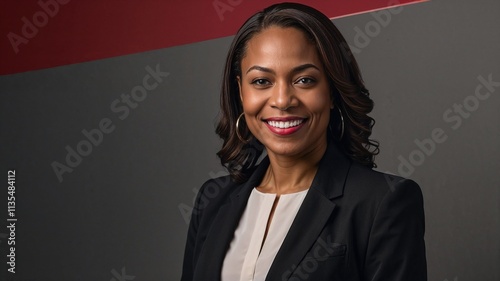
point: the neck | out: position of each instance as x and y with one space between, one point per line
290 174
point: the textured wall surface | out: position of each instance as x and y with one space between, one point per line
132 139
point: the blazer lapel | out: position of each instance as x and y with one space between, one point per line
220 235
312 216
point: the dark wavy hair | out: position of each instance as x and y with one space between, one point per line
348 92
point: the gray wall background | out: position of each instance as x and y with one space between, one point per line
121 211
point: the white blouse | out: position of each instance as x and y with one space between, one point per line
245 260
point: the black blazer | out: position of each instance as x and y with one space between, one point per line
354 224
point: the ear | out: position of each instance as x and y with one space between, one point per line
238 78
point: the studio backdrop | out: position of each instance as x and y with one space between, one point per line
108 111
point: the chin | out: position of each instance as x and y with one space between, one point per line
285 149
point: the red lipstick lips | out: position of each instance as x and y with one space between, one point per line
284 125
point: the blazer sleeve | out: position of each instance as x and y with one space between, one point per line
189 251
396 248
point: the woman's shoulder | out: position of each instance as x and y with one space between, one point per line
215 192
217 187
371 184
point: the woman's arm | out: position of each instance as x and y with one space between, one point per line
396 248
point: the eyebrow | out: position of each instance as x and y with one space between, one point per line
294 70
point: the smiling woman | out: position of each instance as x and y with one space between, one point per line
293 90
285 94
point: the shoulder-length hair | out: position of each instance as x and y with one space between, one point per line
350 97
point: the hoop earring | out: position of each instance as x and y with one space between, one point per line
342 120
238 129
342 128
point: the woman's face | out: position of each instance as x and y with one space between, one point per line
285 92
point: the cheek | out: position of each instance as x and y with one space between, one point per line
252 102
320 103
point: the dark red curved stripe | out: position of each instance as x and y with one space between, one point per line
79 31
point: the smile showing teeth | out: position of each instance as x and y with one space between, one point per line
285 124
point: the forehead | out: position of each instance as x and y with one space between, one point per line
280 47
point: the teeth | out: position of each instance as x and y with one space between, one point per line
285 124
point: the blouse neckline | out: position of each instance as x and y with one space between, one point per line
285 194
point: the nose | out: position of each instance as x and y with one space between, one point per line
283 96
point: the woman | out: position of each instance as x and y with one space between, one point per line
313 208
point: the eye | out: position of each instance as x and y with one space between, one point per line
305 80
261 82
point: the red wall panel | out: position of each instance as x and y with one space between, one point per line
48 33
